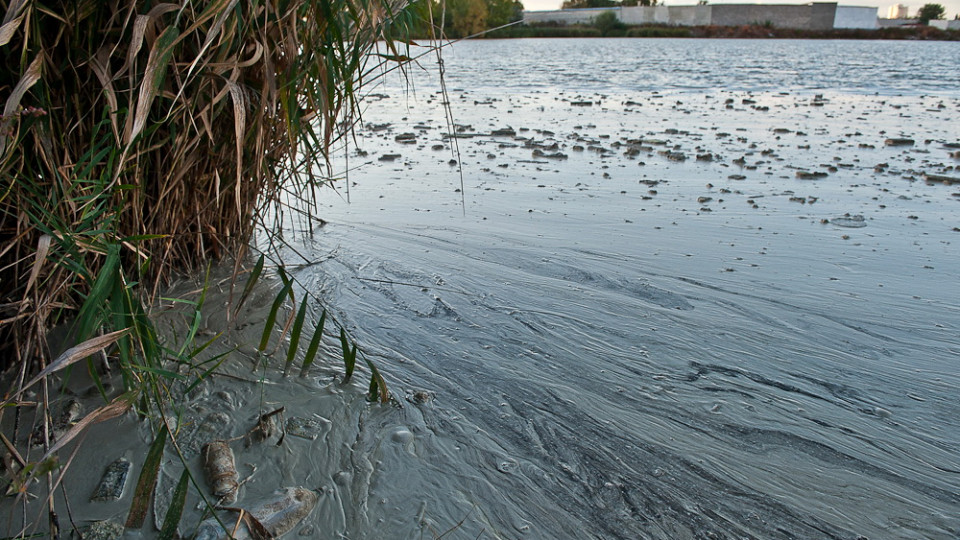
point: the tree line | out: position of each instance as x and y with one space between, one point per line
580 4
462 18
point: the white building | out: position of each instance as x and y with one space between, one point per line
897 11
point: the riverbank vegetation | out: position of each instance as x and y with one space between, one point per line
139 140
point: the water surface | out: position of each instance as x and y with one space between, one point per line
641 346
653 289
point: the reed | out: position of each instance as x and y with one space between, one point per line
142 139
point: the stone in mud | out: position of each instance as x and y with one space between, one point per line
541 154
305 428
102 530
940 179
807 175
673 156
406 138
389 157
899 142
503 132
278 515
113 480
212 427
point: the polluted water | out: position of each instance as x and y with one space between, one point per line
639 288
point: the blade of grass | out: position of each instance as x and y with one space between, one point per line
314 345
349 355
378 386
91 312
272 316
146 481
71 356
153 77
172 519
251 281
203 376
295 335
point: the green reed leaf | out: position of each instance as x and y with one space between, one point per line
295 335
251 281
272 317
146 481
314 345
172 519
349 355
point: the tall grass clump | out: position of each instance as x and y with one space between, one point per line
139 139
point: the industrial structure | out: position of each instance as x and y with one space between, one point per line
897 11
815 16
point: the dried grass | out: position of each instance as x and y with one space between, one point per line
161 131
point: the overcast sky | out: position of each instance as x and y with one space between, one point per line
952 6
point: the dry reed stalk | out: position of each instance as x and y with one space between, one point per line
162 130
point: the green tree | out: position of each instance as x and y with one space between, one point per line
931 12
608 22
466 17
501 12
580 4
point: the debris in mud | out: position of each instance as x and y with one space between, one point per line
389 157
221 471
270 519
113 481
848 221
420 397
70 413
305 428
265 428
808 175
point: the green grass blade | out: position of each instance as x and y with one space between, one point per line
197 316
295 335
314 345
204 346
172 519
203 376
91 311
349 355
272 317
146 481
251 281
378 386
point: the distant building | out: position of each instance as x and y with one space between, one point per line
815 16
897 11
